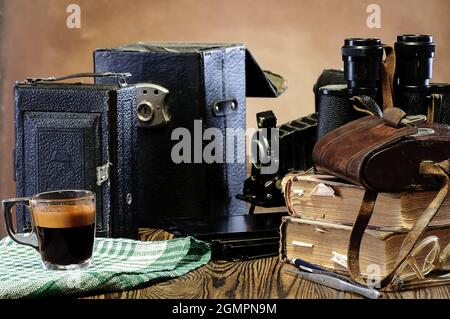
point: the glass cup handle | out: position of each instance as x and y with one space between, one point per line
28 239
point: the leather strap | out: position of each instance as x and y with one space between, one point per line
436 170
393 116
365 212
387 77
434 113
365 104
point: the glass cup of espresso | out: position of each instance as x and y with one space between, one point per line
63 227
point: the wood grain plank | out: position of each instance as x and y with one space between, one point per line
255 279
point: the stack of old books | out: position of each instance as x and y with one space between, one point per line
323 210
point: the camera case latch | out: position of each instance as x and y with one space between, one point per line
102 173
224 107
151 107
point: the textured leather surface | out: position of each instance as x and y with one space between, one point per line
63 132
413 101
224 76
442 115
258 82
338 107
124 222
327 77
163 187
445 115
404 158
196 79
345 152
335 109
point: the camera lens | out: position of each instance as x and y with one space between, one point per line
414 55
362 59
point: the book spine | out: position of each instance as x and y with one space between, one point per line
287 194
282 246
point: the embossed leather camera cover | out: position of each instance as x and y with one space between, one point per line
78 136
207 82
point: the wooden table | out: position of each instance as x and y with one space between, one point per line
256 279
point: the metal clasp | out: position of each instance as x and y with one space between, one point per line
223 107
103 173
423 131
413 120
151 105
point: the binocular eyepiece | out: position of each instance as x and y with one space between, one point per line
362 63
362 58
414 61
414 67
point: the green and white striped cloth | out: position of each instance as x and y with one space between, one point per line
117 264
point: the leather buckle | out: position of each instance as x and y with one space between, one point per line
413 120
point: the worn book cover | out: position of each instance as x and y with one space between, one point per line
329 199
325 244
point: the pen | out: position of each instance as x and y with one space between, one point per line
336 283
304 265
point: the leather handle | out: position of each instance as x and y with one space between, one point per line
121 77
437 170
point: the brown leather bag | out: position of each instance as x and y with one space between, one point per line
384 154
388 154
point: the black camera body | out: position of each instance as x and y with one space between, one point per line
208 85
296 140
79 136
290 151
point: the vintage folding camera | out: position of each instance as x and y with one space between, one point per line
207 86
296 139
290 151
80 136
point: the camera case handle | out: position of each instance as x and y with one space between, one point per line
121 77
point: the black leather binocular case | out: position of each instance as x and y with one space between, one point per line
362 66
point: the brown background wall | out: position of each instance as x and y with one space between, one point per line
296 38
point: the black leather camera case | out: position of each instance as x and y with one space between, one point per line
207 82
78 136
